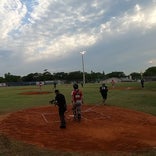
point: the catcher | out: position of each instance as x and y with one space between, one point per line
60 101
77 100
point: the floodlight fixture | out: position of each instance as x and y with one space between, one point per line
82 52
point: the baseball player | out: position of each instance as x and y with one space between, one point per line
77 100
103 91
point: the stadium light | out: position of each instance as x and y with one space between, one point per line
82 53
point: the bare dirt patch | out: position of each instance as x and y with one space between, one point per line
35 92
103 128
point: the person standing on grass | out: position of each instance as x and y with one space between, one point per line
103 91
142 83
113 83
60 101
54 85
40 86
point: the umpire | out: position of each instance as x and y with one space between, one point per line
60 101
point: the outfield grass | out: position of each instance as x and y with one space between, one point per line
128 95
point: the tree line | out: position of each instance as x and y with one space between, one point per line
74 76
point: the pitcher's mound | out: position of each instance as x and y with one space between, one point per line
102 128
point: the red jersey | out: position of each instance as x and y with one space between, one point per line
76 95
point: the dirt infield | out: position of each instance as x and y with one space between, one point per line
103 128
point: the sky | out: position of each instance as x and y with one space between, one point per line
116 35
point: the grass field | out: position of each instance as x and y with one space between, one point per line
128 95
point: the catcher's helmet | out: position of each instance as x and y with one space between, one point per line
75 86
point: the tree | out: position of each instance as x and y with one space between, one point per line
116 74
29 77
46 76
75 76
12 78
135 76
2 80
95 76
60 76
150 72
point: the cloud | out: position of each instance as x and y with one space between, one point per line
47 31
12 13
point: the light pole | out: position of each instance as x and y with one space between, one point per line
82 53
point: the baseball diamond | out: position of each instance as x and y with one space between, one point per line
102 128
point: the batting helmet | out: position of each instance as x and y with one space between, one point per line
75 86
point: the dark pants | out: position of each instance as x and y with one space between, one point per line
62 117
142 85
104 96
77 110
